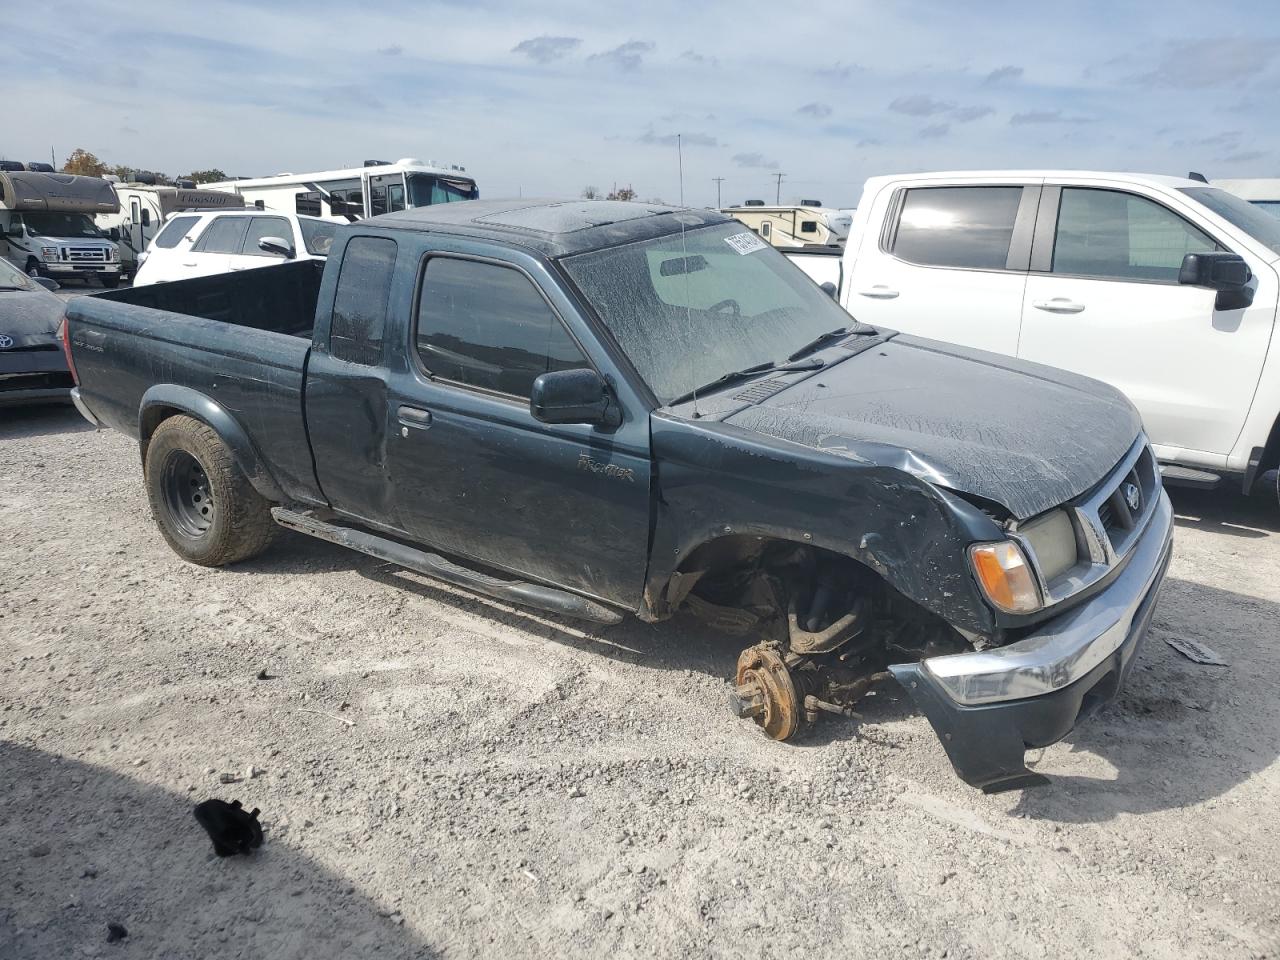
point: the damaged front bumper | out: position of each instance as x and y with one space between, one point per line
991 706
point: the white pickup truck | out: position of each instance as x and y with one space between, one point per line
1164 287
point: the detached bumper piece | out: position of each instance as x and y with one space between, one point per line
989 707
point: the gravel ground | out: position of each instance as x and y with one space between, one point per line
444 776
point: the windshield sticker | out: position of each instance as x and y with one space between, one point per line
745 243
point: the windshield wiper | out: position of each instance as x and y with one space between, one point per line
822 339
744 374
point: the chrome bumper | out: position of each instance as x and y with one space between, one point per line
84 410
1068 647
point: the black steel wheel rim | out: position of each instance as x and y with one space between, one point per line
188 497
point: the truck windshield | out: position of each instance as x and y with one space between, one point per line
687 312
1250 218
426 189
46 223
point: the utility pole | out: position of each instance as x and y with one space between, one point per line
777 199
718 180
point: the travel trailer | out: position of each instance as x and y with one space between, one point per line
1262 192
804 225
145 207
47 228
346 195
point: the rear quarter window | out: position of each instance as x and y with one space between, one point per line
360 304
174 231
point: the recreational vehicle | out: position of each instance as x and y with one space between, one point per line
805 225
47 228
144 209
346 195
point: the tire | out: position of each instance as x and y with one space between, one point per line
203 504
33 267
110 282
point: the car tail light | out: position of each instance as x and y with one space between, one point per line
64 334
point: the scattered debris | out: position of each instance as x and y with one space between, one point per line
40 850
532 876
1195 651
577 792
331 716
251 772
229 827
263 675
89 872
116 931
228 778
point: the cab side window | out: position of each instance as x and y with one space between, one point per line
1106 233
260 227
969 227
360 304
487 326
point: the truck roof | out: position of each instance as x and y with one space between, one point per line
1150 179
554 228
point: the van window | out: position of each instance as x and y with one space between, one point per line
957 226
174 231
360 304
260 227
809 226
1106 233
307 203
224 235
487 326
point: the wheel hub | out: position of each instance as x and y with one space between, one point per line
766 693
188 494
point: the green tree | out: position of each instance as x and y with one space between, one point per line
206 176
622 193
84 163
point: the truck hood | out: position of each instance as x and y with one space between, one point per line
1022 435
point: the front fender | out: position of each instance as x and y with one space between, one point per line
714 480
165 399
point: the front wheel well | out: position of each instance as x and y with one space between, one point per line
809 598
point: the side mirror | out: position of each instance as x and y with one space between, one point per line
277 245
1225 272
48 283
830 290
573 396
114 234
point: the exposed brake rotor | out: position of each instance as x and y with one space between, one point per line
766 693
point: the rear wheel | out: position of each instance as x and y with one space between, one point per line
204 505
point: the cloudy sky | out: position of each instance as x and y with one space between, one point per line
544 99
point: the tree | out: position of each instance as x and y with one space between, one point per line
206 176
84 163
622 193
123 172
590 193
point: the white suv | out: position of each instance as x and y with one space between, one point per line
198 244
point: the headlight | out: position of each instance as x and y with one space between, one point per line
1005 576
49 253
113 253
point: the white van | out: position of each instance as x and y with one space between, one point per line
1166 288
209 242
47 228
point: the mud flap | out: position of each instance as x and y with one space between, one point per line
984 746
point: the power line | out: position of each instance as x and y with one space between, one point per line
718 180
777 199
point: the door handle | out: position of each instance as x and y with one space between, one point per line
1058 305
879 292
414 417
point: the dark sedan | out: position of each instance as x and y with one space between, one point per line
33 368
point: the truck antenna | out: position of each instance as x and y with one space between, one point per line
684 255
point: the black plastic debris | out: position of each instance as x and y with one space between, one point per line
231 829
116 931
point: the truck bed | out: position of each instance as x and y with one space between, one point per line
238 339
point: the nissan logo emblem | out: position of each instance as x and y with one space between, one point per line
1132 496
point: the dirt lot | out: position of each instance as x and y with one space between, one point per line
443 776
